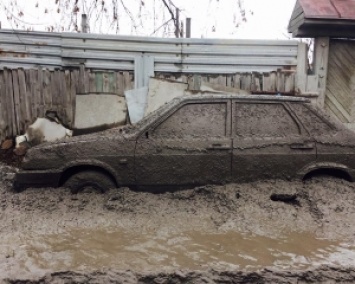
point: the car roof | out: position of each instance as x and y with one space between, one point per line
194 96
259 97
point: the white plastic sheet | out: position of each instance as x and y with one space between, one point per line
136 102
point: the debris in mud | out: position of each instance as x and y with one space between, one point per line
285 197
7 144
7 174
7 154
22 148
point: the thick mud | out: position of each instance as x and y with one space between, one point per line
261 232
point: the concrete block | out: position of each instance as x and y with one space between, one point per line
99 110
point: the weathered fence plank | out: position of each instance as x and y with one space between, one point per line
128 81
3 108
120 83
16 90
290 82
256 82
245 83
10 102
280 81
81 85
53 90
74 81
273 82
67 106
92 83
45 95
40 92
29 100
105 83
86 81
63 98
236 81
23 100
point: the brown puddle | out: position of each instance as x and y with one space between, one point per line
93 249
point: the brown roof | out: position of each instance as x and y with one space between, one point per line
330 18
329 9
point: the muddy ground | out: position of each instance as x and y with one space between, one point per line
262 232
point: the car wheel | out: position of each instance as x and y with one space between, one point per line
99 181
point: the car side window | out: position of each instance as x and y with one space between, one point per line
194 119
263 120
311 120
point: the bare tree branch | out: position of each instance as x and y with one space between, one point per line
107 15
170 11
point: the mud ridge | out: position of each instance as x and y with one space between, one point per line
323 274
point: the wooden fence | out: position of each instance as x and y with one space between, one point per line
28 94
271 82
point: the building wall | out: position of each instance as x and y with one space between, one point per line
340 91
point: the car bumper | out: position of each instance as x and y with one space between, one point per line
24 179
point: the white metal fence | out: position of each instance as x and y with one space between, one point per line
212 56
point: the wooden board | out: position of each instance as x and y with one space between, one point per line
45 97
10 102
16 92
24 109
67 99
29 98
3 109
340 85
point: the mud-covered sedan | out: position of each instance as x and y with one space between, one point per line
199 139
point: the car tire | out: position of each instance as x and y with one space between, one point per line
99 181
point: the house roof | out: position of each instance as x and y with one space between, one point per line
329 9
333 18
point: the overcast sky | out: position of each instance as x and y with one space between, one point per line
266 19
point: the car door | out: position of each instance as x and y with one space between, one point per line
268 141
189 146
335 144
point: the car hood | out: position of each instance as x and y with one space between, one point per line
52 155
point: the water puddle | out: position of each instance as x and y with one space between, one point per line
92 249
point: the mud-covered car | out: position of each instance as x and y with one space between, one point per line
199 139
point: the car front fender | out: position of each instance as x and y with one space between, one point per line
326 165
85 163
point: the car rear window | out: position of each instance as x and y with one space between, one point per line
207 119
263 120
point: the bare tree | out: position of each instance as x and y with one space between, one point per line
141 17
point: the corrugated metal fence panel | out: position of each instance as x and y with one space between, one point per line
30 50
211 56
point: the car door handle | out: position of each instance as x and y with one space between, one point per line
218 146
302 146
123 161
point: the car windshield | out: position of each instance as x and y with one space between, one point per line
151 117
